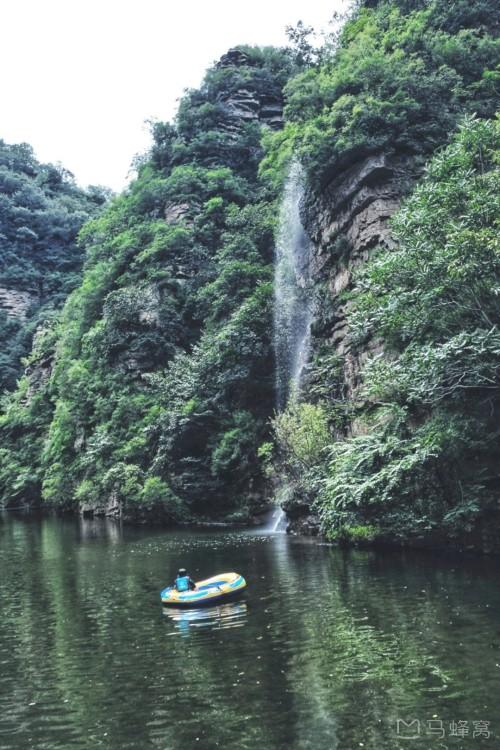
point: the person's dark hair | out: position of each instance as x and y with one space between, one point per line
182 572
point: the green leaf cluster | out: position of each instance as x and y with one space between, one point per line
399 79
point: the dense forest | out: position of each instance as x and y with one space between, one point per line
153 391
41 213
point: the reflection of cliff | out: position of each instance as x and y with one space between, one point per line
104 529
302 577
379 644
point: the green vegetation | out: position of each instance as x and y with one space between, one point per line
399 78
41 212
412 451
160 380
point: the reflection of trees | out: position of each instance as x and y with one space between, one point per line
385 648
93 666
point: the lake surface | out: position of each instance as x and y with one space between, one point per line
327 649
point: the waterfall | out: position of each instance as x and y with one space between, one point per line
292 310
277 523
292 313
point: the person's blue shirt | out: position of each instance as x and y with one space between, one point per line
184 582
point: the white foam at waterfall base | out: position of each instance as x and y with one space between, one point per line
276 522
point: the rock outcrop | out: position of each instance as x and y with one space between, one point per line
109 507
346 221
246 104
15 302
176 212
38 373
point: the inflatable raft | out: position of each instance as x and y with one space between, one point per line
210 591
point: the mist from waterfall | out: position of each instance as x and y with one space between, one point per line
292 312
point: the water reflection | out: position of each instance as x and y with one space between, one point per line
223 617
100 528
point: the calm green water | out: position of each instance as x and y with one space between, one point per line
326 650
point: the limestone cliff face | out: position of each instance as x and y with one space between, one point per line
243 99
40 367
346 220
240 105
42 211
246 103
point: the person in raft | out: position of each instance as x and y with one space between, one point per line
184 582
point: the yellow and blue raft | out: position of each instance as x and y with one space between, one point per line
210 591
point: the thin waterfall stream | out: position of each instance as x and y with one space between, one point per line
292 308
292 311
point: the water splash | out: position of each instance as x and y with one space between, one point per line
292 312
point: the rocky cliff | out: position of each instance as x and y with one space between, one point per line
16 302
346 221
363 447
244 104
154 393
